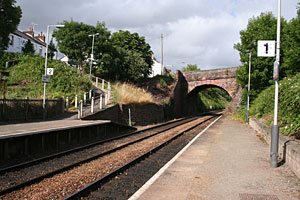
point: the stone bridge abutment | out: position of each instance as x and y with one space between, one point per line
189 84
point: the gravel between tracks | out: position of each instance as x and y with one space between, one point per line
64 184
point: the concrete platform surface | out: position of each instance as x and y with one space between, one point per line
34 127
228 161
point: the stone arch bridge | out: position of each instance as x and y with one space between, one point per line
223 78
190 83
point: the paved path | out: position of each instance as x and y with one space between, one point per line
228 161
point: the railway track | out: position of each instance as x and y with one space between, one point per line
14 184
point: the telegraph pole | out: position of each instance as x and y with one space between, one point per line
162 53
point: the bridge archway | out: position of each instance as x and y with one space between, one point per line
195 90
190 83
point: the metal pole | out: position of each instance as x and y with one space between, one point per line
81 109
67 104
129 120
92 106
76 101
248 97
44 98
162 54
275 128
92 57
101 101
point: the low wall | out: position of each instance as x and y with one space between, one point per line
141 114
288 150
27 109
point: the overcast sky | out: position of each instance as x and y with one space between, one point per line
198 32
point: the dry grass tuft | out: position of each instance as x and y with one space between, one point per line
125 93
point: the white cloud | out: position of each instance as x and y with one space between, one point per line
198 32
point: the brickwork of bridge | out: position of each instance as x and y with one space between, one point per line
223 78
189 84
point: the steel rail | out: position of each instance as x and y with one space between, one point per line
96 184
68 167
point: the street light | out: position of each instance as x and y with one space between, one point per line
248 98
46 59
275 128
92 55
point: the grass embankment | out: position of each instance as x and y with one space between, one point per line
212 98
125 93
288 109
25 78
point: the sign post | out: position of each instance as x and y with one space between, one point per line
275 128
266 48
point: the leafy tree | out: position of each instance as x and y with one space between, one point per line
130 57
190 68
73 39
51 49
291 47
10 16
28 48
262 27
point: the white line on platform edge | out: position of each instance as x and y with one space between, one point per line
138 193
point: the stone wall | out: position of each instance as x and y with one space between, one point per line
141 114
288 150
28 109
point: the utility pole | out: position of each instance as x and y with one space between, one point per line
162 53
275 128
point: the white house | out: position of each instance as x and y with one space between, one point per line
18 40
157 69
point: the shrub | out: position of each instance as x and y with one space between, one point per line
288 108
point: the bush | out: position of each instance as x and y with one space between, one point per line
26 78
288 108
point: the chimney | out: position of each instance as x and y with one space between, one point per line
29 32
41 37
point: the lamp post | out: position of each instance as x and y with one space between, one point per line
46 59
248 98
275 128
92 55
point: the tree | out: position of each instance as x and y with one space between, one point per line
190 67
262 27
130 57
28 48
291 47
73 40
10 16
51 49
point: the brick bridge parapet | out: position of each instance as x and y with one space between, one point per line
223 78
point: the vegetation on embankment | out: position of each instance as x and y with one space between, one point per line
25 78
125 93
288 107
212 98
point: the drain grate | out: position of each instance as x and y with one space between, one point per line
245 196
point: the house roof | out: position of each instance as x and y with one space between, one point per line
25 36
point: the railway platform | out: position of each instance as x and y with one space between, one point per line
226 161
18 129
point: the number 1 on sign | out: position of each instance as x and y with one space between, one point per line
266 48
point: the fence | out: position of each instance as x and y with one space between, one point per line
26 109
